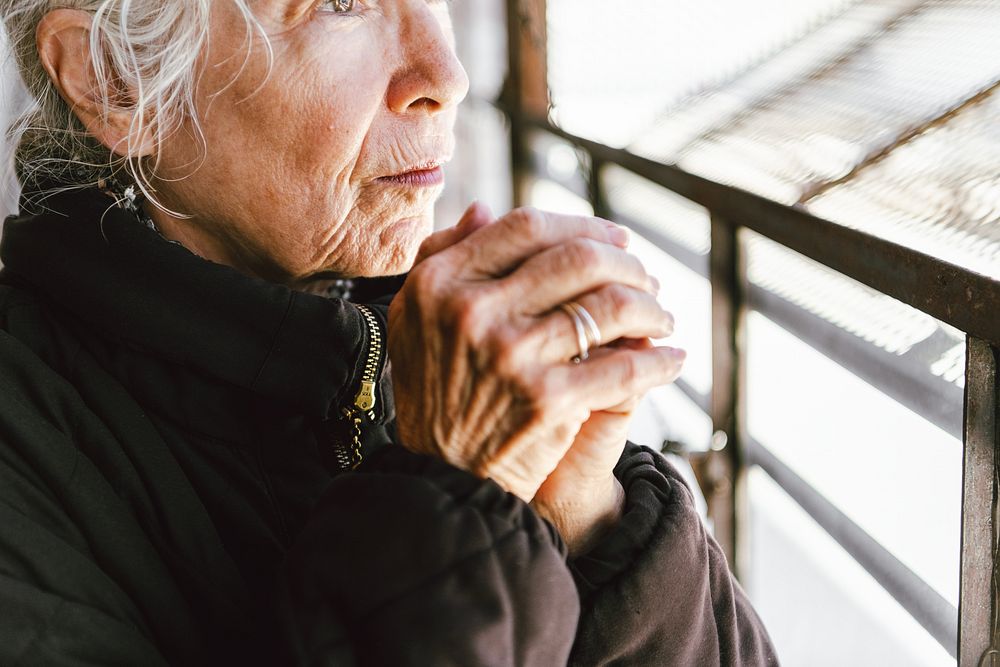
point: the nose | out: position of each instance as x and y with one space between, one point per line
429 79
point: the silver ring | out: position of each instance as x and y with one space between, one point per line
593 331
581 331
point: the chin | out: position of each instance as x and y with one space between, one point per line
399 246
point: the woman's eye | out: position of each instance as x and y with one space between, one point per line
341 6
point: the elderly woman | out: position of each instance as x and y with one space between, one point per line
229 436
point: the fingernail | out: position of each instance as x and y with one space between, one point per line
467 216
487 210
620 236
655 283
678 354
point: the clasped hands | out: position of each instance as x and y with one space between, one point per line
480 352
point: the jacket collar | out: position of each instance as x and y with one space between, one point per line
98 262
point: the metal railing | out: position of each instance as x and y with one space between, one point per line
954 295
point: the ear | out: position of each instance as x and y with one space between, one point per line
63 42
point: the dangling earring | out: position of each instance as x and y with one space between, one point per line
131 201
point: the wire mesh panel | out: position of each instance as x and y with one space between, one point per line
696 116
939 193
807 132
614 68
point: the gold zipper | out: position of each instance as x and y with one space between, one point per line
365 398
349 456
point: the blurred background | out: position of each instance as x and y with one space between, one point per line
836 481
882 116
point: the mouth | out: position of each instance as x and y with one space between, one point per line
422 176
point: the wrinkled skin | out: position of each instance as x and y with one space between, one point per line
297 180
480 359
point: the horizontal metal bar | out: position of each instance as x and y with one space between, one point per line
575 182
689 258
905 378
701 400
935 614
964 299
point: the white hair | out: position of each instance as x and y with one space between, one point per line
146 56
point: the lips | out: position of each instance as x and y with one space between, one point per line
423 176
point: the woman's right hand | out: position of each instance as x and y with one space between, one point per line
480 349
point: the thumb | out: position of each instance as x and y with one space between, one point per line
477 216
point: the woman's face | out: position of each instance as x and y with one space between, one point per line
328 163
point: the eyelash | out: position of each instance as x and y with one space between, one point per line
353 8
330 7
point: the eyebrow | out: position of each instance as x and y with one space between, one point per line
294 9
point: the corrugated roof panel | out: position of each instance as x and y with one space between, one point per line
939 193
698 115
819 129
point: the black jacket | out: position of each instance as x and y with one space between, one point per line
170 491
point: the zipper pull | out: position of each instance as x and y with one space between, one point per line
365 399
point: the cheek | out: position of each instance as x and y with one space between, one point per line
382 233
311 132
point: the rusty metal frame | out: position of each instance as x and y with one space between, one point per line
526 88
978 622
720 470
966 300
900 376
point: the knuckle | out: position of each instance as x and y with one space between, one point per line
635 266
622 300
527 220
426 276
631 371
584 254
538 392
507 352
469 315
465 311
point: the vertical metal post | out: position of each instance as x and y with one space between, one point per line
526 90
595 189
977 603
720 470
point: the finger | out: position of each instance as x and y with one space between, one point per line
604 382
477 216
497 249
627 407
570 269
631 344
617 310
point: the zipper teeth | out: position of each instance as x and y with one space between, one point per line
374 344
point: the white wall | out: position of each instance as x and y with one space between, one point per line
481 165
11 98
